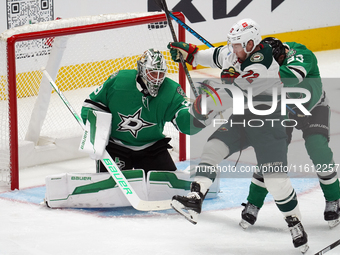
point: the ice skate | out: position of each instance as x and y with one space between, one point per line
332 213
189 206
249 215
298 233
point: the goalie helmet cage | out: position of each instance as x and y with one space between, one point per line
80 54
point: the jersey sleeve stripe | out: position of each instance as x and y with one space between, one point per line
96 106
173 121
215 57
298 71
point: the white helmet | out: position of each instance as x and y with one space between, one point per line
242 32
152 69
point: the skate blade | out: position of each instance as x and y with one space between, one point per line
190 215
304 248
333 223
244 224
44 203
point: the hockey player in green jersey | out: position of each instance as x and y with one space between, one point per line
249 66
141 102
299 68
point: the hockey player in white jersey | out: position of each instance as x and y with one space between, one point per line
245 64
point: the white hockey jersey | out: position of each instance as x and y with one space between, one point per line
257 77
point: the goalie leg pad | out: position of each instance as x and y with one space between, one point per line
98 190
91 190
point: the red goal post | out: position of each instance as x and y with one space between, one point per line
27 139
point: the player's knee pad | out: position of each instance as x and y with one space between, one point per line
278 185
214 152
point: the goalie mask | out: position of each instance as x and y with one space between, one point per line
152 69
242 32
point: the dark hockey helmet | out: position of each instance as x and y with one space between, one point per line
277 46
152 69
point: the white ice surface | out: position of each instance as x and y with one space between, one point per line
29 229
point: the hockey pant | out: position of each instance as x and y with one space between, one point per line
155 157
270 145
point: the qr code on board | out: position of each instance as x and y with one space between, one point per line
24 12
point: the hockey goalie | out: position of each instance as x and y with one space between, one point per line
126 117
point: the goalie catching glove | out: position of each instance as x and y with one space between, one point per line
188 51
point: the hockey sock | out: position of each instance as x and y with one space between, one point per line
280 187
331 191
322 157
257 195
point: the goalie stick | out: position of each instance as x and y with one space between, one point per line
328 248
112 167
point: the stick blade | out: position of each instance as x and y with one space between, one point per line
153 205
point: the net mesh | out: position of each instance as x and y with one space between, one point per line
81 62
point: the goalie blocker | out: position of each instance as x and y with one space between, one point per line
99 190
96 134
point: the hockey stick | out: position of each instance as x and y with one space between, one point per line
112 168
174 37
185 26
194 33
328 248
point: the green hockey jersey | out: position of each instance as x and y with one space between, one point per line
300 69
137 119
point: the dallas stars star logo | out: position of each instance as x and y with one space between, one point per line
133 123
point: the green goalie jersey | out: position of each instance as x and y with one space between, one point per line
138 120
300 69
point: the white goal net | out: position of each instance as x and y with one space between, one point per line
80 54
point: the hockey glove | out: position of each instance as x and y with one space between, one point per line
301 119
196 111
188 51
208 86
229 75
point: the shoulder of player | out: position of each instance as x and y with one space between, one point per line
123 79
295 48
222 54
124 74
170 85
224 50
263 56
170 89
